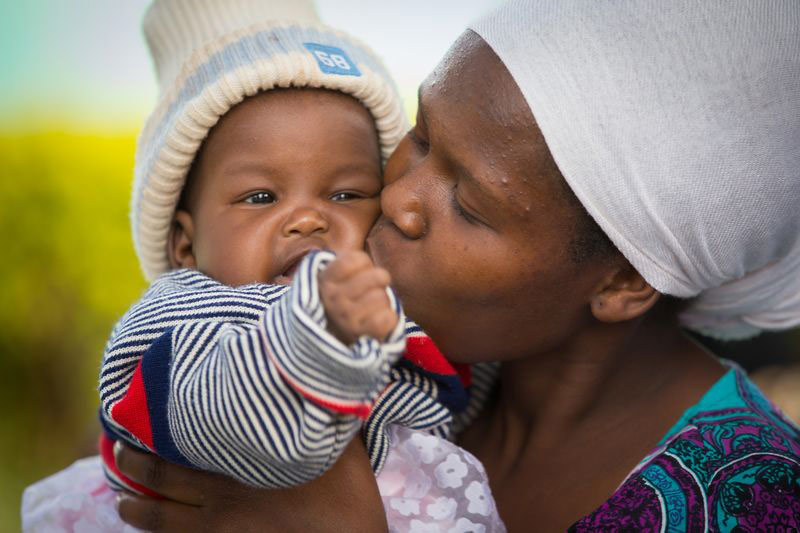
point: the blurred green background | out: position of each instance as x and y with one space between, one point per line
75 88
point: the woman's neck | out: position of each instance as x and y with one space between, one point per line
604 375
578 419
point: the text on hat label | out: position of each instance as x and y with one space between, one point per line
332 60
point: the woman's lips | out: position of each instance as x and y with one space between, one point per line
383 238
391 250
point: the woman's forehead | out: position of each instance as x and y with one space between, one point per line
471 73
476 115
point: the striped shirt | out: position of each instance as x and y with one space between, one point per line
248 382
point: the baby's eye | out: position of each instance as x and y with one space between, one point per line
260 197
345 196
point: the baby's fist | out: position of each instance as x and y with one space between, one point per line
353 292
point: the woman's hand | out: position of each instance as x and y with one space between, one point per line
346 498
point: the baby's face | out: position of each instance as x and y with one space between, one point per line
283 173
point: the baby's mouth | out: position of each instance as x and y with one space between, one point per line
285 277
289 272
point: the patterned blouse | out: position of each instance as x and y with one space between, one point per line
732 463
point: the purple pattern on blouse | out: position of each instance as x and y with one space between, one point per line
731 465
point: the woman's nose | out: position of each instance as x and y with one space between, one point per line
401 204
305 221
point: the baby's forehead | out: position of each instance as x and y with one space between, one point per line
293 100
290 131
295 115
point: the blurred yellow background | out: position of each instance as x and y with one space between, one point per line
76 86
68 272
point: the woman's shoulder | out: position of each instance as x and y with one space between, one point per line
733 460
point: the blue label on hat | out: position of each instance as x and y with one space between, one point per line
332 60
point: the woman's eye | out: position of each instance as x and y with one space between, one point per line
460 211
418 141
260 198
345 196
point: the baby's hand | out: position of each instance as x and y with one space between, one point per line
353 291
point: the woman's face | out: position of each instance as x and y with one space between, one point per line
476 226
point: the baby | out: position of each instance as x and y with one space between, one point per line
265 148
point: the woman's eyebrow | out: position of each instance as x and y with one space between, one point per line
463 173
490 194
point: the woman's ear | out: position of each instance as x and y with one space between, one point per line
179 243
624 295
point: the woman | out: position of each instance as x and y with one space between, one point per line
574 167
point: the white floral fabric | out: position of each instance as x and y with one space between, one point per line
75 500
428 484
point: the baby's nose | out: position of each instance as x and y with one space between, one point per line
304 222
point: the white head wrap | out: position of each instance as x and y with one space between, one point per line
677 125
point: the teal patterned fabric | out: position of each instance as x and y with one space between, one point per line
731 464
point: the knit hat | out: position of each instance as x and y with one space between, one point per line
211 54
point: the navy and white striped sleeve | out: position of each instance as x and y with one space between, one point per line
346 379
270 403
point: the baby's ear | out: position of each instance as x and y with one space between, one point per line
624 295
179 242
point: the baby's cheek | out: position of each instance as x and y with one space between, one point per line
357 225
